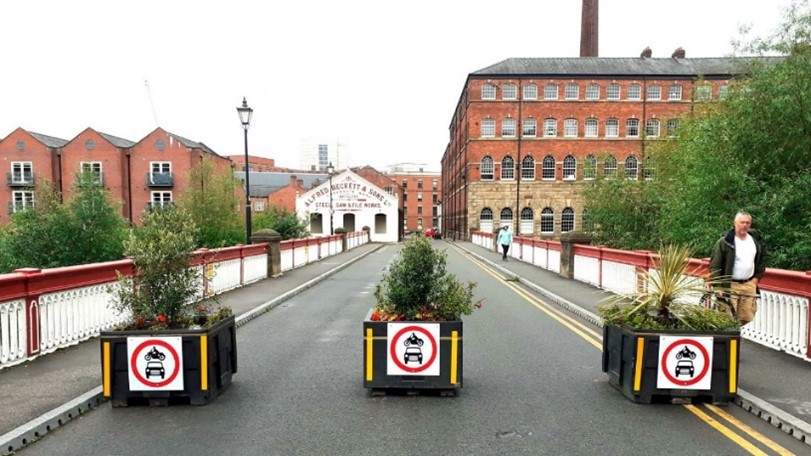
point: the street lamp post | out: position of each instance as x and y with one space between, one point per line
245 114
330 170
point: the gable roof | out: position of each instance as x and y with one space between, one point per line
116 141
49 141
264 183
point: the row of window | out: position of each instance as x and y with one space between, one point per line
549 168
547 221
24 199
571 128
435 184
571 91
435 197
23 171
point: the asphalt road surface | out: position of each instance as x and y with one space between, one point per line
532 386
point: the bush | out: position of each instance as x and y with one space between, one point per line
417 286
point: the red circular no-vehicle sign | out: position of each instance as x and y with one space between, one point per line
137 353
431 341
705 368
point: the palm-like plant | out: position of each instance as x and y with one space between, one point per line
664 300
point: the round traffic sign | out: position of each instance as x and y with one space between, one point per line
151 343
432 345
704 368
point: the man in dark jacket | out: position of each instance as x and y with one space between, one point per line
738 261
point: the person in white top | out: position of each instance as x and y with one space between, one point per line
738 263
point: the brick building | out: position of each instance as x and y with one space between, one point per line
151 172
528 132
421 198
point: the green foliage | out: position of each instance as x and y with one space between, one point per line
417 286
165 286
286 223
749 152
87 229
662 303
212 200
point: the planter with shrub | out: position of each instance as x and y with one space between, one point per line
413 335
658 346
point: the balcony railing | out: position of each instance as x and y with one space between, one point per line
20 180
160 179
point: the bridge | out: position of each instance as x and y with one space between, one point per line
532 380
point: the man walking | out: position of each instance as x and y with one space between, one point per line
738 260
505 238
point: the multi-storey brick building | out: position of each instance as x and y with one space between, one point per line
152 172
527 132
421 197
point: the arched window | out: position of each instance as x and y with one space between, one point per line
587 224
570 128
610 168
572 91
488 92
631 167
590 168
612 128
486 220
592 128
530 92
527 221
569 168
507 168
592 92
487 168
567 220
528 168
509 92
547 221
550 92
507 217
530 128
550 128
548 168
634 92
632 128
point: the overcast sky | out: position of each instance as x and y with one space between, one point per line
383 76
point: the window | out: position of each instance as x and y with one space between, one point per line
612 128
526 220
610 168
672 125
405 183
506 217
631 167
435 184
419 183
488 92
723 92
22 200
507 168
389 190
488 168
612 92
590 168
486 220
547 221
550 92
419 210
419 196
550 128
634 92
509 92
572 91
654 92
530 128
569 168
160 167
22 173
488 128
592 128
530 92
570 128
93 169
160 199
648 170
632 128
528 168
405 196
259 205
592 92
323 157
652 128
434 199
567 220
704 93
548 168
508 128
674 92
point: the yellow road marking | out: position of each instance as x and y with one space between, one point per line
724 430
748 430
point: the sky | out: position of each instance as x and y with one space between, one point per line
382 77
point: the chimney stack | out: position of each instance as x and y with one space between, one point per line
679 53
588 28
293 179
646 53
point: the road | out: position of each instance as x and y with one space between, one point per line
532 386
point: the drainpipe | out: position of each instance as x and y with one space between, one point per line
520 133
129 186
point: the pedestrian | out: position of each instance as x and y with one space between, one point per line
505 238
737 264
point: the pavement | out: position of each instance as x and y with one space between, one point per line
47 392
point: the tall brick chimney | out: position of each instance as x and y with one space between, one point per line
588 29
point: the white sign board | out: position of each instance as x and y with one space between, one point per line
413 349
685 363
155 363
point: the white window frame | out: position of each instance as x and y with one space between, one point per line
704 92
531 92
570 128
654 92
159 198
569 168
22 172
591 128
610 167
488 92
550 128
22 200
508 168
547 221
723 92
567 220
632 128
571 91
488 168
528 168
509 92
529 129
259 205
652 128
548 168
508 128
590 168
612 128
593 92
96 168
631 167
634 92
527 220
488 128
674 92
550 91
672 125
612 92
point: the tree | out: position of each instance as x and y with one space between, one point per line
286 223
212 200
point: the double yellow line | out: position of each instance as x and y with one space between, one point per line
590 335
